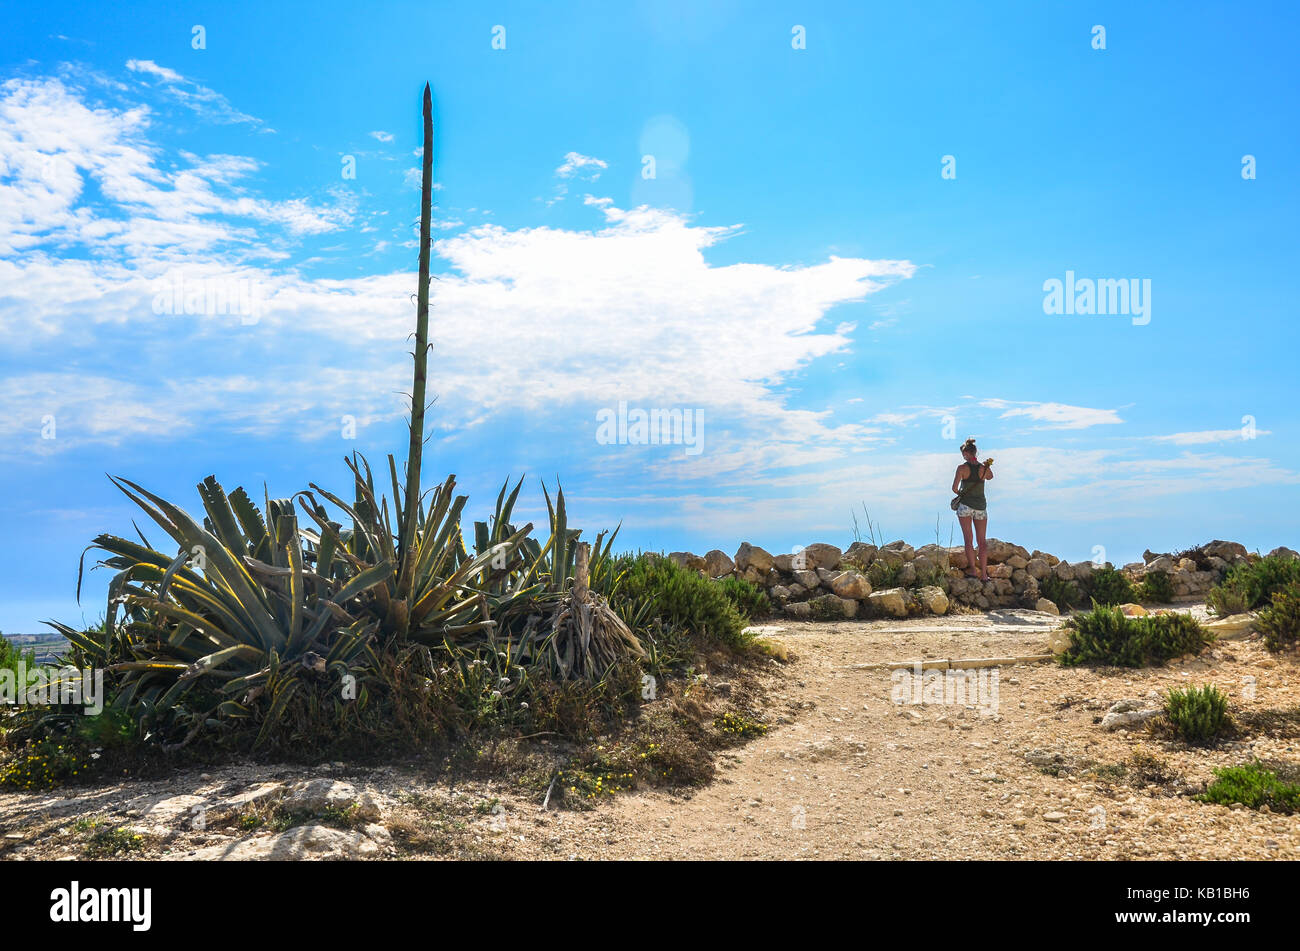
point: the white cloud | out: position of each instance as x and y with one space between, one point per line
575 163
1055 415
151 68
201 100
54 144
382 136
1205 436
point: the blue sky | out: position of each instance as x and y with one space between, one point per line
799 271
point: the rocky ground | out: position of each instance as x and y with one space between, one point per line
843 772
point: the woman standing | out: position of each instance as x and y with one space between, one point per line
972 512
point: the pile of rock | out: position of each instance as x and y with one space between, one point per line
1196 571
821 581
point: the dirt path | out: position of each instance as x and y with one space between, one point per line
844 771
851 774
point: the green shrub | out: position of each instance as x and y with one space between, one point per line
1156 588
882 574
11 655
1280 621
1253 786
43 764
1064 594
108 843
654 588
1105 635
1198 713
749 599
1248 586
1107 585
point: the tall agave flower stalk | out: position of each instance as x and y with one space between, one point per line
414 456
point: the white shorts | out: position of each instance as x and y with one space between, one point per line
965 511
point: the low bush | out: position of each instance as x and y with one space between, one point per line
749 599
11 655
1280 621
654 588
1252 785
44 763
1155 588
1064 594
1107 585
1105 635
1248 586
1198 713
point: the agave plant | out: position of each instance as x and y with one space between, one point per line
252 606
236 611
451 593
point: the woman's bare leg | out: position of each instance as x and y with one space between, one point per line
981 529
970 548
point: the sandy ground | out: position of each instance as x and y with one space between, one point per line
845 772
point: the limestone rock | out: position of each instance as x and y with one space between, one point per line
1228 551
860 553
903 548
1233 627
1000 551
820 555
934 599
891 601
1128 714
808 579
799 610
1162 563
1046 606
891 557
831 607
751 556
851 584
718 563
1083 569
310 842
321 794
1058 639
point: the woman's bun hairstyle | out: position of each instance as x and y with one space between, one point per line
968 445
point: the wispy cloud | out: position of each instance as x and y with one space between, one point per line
1055 415
1206 436
199 99
55 143
582 166
381 136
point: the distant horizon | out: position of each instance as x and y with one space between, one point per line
725 274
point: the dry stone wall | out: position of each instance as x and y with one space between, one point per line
822 581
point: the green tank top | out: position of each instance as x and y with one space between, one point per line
972 488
